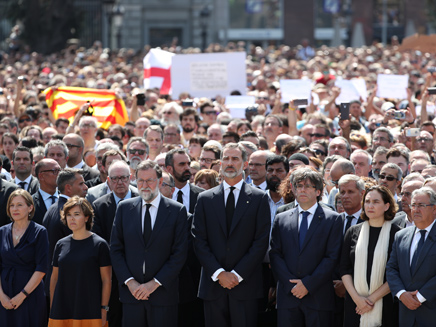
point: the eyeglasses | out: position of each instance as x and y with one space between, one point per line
69 146
262 98
146 181
167 113
25 120
423 139
115 179
170 134
165 184
258 165
389 178
209 113
304 186
319 152
381 139
317 135
53 171
87 126
420 206
406 194
271 124
139 151
206 160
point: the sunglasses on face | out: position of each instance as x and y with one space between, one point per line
139 151
317 135
389 178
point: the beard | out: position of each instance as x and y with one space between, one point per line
148 196
232 174
183 177
273 183
188 129
375 173
134 162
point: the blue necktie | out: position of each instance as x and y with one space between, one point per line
418 250
303 228
53 199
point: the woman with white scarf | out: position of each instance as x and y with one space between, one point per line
366 249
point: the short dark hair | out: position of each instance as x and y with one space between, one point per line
169 157
212 148
395 152
301 174
12 136
204 105
248 134
154 128
84 206
279 120
198 139
119 128
22 149
190 112
61 120
112 153
387 197
67 177
241 148
231 134
274 158
148 164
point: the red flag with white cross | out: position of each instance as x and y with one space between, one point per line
157 70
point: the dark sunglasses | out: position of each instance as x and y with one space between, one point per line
317 135
25 120
389 178
319 152
139 151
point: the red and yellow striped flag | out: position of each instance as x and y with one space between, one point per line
65 101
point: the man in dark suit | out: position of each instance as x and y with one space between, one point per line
410 271
148 249
231 229
6 188
177 164
47 171
70 182
76 146
305 246
22 161
104 215
404 218
99 152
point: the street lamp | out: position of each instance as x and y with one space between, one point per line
204 23
117 19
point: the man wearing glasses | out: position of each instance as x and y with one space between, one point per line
137 151
149 244
424 142
209 154
47 171
305 246
208 113
390 176
104 210
382 137
411 271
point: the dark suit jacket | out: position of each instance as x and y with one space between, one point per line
89 173
40 208
104 215
292 205
93 182
33 186
193 195
400 277
56 230
6 188
314 264
242 250
400 219
164 254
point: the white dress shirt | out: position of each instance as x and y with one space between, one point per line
186 195
46 198
78 166
356 217
415 241
311 211
261 186
27 181
117 199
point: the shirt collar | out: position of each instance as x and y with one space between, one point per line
311 210
128 196
237 186
155 202
355 215
281 201
46 195
184 189
27 180
428 228
79 165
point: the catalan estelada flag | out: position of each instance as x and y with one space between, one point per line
65 101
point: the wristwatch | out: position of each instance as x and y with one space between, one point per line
105 307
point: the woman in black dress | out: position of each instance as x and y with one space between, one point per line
366 249
81 280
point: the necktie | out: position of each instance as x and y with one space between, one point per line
53 199
348 225
418 249
180 196
147 224
22 185
303 228
230 208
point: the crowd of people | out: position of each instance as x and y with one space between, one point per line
187 216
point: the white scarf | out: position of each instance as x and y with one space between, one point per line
372 318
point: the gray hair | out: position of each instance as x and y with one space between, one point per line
172 183
67 177
140 140
347 144
118 164
54 143
148 164
39 150
385 130
107 146
426 191
365 153
249 145
89 119
381 150
413 177
236 146
360 184
391 165
301 174
330 159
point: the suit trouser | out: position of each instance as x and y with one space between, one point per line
304 317
143 314
229 312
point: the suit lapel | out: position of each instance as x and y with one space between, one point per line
163 212
408 238
244 201
192 200
220 207
316 221
426 247
294 225
137 212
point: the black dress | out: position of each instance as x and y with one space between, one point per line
390 309
77 296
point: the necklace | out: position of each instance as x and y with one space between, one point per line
17 237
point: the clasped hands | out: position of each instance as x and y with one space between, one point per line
142 291
364 305
13 303
410 300
228 280
299 290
